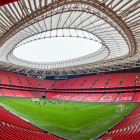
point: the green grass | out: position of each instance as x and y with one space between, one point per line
88 121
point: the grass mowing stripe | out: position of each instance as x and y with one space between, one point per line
95 121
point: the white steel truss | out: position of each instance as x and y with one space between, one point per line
114 22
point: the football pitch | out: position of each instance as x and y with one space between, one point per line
69 119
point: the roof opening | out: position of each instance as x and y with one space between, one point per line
54 49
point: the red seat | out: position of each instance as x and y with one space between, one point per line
12 128
127 129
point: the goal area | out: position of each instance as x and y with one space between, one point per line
120 108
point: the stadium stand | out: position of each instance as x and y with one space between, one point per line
102 81
37 94
137 97
75 96
19 93
80 97
14 79
14 120
90 81
51 94
125 97
47 83
68 89
12 127
108 97
69 83
138 79
28 94
69 96
115 80
93 97
23 80
7 92
88 97
58 96
33 81
59 83
127 82
79 82
127 129
1 94
4 78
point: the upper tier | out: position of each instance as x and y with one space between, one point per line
105 81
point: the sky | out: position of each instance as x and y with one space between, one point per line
56 49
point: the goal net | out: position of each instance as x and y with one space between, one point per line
35 99
120 108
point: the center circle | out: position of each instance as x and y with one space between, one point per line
53 49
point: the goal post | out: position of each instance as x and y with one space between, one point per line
120 108
34 99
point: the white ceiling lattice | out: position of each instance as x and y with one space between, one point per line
114 22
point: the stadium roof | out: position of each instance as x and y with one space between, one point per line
113 23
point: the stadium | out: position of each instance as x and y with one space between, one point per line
94 95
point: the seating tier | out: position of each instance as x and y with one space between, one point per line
90 81
14 128
23 80
58 96
59 83
47 83
129 80
16 121
68 96
93 97
1 94
37 94
4 78
108 97
125 97
80 97
137 97
127 129
79 82
7 92
103 79
115 80
28 94
33 81
69 83
14 79
19 93
138 79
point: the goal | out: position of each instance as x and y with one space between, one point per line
35 99
120 108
